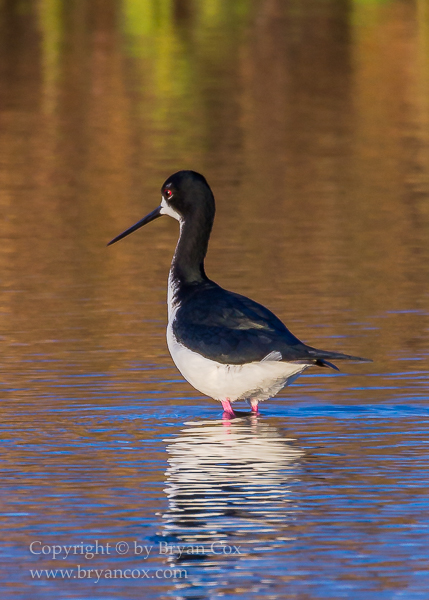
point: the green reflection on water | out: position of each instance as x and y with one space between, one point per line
51 24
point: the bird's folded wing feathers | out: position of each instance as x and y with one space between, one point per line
232 329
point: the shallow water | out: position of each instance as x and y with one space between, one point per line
311 124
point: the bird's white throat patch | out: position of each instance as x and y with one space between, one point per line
166 209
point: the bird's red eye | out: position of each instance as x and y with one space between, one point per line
168 193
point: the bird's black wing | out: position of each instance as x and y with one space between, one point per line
232 329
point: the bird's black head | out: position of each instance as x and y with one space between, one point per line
187 197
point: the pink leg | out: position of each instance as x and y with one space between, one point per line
254 405
227 408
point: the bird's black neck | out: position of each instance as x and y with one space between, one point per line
188 261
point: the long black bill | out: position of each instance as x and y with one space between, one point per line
147 219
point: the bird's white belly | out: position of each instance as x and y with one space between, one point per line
257 380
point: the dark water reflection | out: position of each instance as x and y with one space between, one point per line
245 485
311 122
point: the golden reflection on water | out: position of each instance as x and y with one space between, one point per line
322 199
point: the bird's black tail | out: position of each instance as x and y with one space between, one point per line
322 358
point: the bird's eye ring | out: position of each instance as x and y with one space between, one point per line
168 193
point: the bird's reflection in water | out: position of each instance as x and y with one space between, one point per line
230 504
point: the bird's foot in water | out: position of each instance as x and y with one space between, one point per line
228 412
254 407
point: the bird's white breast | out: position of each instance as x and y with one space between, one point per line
258 380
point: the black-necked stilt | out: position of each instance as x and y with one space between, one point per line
226 345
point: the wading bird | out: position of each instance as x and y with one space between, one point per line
226 345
